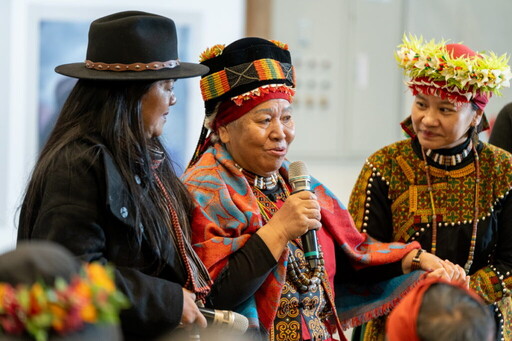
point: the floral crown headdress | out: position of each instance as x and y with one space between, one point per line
40 310
452 71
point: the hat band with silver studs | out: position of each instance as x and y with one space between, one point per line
170 64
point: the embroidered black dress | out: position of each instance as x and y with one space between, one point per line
391 202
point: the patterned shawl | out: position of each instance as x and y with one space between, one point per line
227 215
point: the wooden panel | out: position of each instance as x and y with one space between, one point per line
258 14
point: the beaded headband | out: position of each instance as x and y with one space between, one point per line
452 71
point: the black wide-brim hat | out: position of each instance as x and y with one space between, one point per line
132 45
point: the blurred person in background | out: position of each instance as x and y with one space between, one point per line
501 134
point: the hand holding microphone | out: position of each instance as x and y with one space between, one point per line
300 181
299 214
191 315
196 317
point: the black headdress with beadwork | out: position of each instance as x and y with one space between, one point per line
242 66
241 74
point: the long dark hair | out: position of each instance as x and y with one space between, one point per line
109 113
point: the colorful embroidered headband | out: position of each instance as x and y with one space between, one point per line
452 71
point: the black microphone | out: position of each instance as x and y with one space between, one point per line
225 319
300 180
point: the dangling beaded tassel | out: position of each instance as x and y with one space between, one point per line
475 218
474 232
434 215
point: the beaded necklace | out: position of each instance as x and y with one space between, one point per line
267 207
472 245
301 277
260 182
449 160
198 279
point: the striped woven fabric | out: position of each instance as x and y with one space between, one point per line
219 83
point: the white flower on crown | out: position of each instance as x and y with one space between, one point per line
448 73
406 55
482 77
464 75
497 75
420 63
434 63
502 77
464 81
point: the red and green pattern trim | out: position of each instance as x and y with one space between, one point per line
488 285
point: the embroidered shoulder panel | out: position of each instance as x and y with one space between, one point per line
454 191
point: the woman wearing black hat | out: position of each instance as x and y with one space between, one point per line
104 186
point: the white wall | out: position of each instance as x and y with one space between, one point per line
482 25
350 92
19 25
5 118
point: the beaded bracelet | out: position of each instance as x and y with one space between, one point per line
416 263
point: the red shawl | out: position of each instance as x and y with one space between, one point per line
227 214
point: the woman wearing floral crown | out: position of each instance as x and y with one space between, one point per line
443 187
247 224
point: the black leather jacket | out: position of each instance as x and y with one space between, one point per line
84 205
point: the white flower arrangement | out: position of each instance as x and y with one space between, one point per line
430 62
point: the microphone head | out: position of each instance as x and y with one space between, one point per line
240 323
226 320
298 176
297 169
